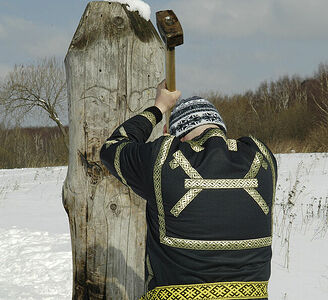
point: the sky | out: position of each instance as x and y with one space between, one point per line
230 45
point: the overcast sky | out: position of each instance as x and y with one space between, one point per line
230 45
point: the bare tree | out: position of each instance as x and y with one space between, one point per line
36 86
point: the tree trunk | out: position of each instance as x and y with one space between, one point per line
113 65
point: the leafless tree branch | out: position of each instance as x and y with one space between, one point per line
40 85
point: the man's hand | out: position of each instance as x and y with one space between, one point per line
165 100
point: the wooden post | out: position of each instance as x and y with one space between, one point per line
113 65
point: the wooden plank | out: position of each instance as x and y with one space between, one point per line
113 65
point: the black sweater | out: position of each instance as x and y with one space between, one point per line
209 201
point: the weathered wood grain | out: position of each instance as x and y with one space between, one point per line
113 65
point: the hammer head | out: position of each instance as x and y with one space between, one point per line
169 28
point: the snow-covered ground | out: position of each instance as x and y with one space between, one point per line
300 245
35 256
35 250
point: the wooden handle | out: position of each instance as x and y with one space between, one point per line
170 78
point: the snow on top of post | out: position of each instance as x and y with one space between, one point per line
136 5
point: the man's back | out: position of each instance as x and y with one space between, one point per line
211 212
209 201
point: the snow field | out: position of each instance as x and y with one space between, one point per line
34 265
35 250
300 244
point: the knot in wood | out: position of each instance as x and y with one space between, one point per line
119 22
113 207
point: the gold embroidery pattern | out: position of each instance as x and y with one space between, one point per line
185 165
112 142
157 175
210 291
267 155
191 194
255 167
253 171
150 273
232 145
197 145
117 164
211 133
123 132
218 245
220 183
150 117
173 164
194 146
187 243
184 201
198 183
265 165
258 199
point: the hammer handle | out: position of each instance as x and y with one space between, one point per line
170 78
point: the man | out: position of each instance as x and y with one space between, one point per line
209 201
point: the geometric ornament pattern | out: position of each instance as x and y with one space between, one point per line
210 291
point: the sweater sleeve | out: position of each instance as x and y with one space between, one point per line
127 155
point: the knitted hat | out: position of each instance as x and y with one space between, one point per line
191 113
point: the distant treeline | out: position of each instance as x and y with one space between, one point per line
32 147
289 114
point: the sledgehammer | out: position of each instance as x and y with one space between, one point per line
171 32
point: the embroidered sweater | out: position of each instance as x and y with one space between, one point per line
209 201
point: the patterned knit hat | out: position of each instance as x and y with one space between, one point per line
191 113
